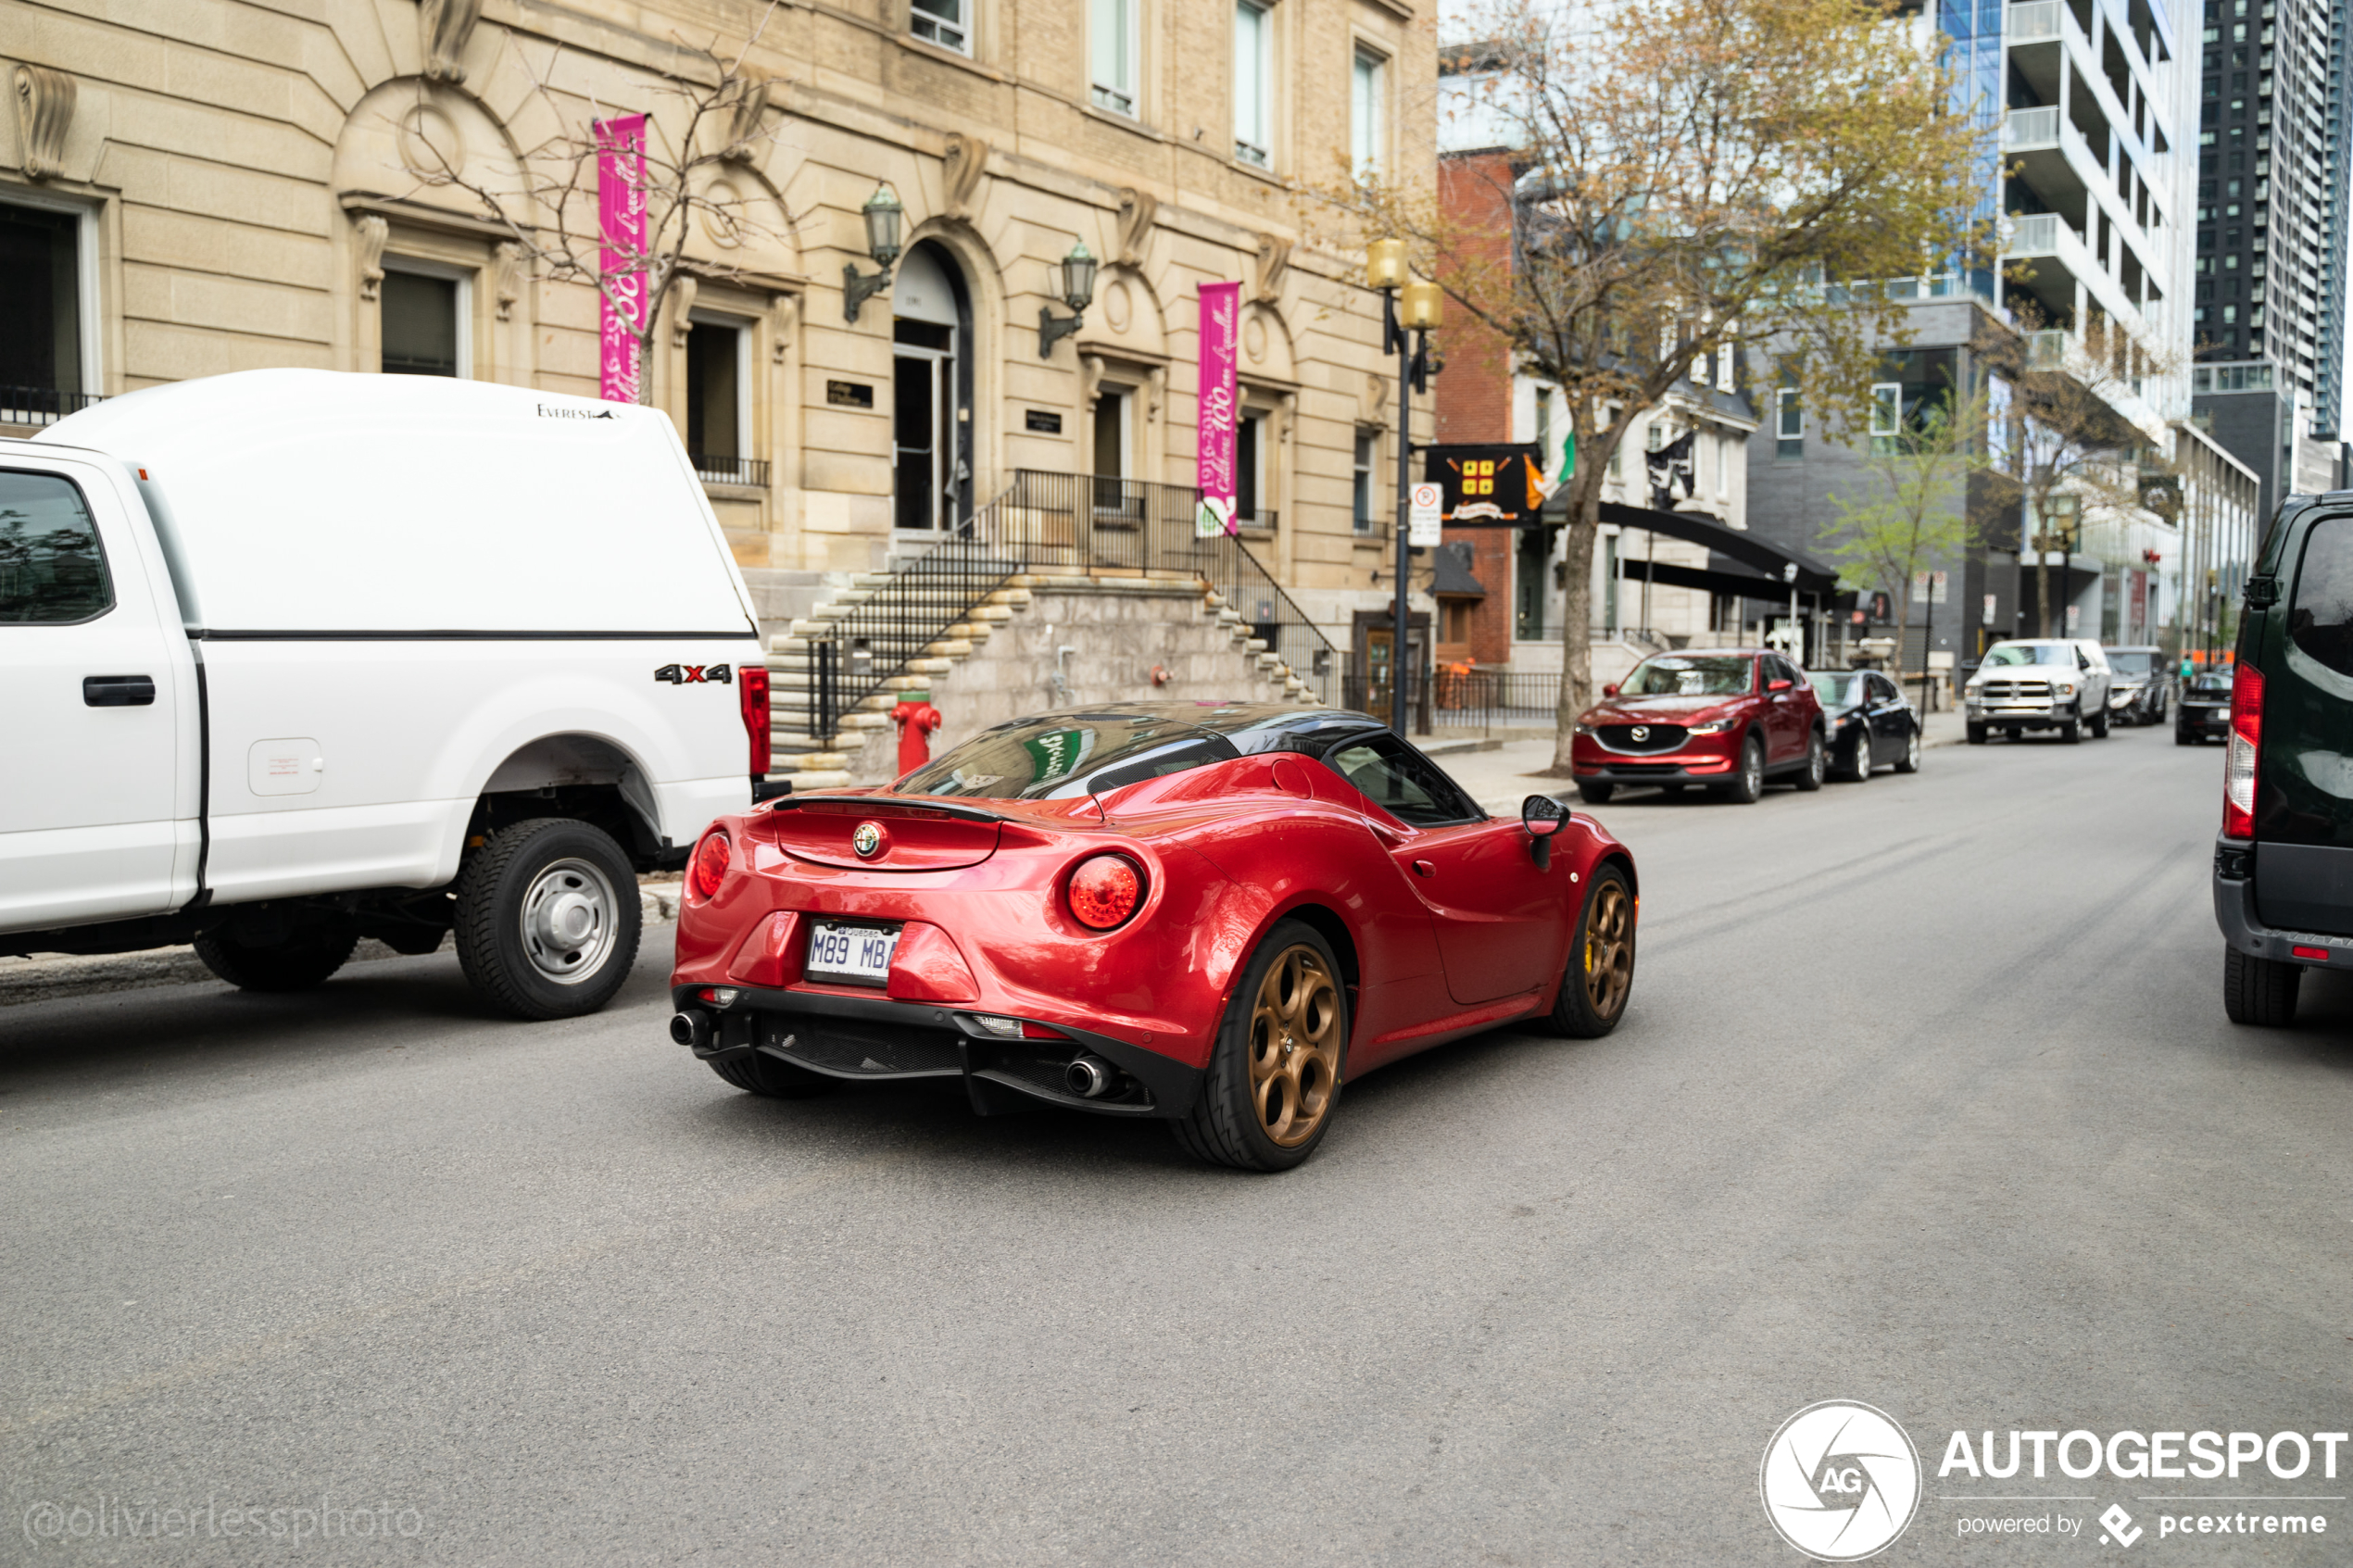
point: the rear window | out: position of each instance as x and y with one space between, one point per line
1067 754
52 572
2320 618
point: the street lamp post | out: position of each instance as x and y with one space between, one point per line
1385 269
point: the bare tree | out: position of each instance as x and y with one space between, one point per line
2066 453
705 115
1918 510
1688 180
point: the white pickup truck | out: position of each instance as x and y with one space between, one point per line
290 658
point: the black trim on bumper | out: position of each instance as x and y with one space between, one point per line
897 1041
2234 913
1656 773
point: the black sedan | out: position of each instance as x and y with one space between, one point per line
1868 722
2205 710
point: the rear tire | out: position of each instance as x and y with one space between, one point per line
767 1077
297 964
547 919
2260 991
1273 1075
1601 962
1749 783
1596 794
2181 737
1910 762
1809 777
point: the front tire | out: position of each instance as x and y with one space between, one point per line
1749 783
1809 778
1274 1073
2072 733
547 919
2260 991
1976 734
2100 725
1596 794
299 963
1601 962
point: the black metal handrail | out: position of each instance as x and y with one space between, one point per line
717 468
37 406
1466 697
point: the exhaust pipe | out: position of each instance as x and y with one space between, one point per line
691 1029
1090 1077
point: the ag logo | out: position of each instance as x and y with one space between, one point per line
867 840
1640 731
1840 1481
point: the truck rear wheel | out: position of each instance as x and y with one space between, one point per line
547 919
297 964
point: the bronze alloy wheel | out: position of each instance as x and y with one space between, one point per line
1609 948
1294 1046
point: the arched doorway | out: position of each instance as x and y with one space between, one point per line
931 391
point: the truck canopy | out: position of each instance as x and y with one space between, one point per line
318 501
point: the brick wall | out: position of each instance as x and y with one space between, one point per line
1475 395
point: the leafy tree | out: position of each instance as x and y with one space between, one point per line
1917 511
1688 179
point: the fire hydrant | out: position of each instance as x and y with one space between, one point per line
917 719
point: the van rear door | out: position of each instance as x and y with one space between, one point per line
2304 810
90 669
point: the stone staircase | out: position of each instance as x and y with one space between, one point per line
1140 603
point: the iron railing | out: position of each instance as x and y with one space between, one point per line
714 469
1465 697
38 406
1049 522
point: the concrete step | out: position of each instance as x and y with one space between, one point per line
812 784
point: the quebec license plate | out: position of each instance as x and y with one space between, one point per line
850 952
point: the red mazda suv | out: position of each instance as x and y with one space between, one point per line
1728 718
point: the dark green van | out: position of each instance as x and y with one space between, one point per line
2283 865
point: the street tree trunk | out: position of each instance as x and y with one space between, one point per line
1576 615
2043 589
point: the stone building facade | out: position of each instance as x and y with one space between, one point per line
217 186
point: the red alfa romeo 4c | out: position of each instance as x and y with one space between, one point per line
1214 915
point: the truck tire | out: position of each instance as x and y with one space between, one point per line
2100 725
1977 734
2260 991
2072 733
547 919
297 964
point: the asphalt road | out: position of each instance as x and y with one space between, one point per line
1925 1099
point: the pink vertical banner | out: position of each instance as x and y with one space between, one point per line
1221 306
621 224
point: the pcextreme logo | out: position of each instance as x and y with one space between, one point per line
1841 1480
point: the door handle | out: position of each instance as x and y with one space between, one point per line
117 691
1423 868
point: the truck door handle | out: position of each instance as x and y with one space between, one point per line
117 691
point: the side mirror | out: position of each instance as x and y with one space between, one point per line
1779 685
1543 817
1610 690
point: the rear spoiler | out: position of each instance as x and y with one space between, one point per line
892 807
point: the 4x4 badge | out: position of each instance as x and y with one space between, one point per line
695 674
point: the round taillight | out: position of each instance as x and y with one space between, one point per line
710 867
1105 891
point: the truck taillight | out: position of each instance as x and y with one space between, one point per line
2247 735
751 686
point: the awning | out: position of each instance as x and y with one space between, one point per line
1770 560
1737 585
1451 575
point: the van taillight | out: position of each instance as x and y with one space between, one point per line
2247 735
751 686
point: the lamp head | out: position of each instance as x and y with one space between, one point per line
1078 277
1385 264
883 213
1418 309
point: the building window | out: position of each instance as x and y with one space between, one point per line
1367 461
719 402
41 312
1532 583
1249 473
1253 76
1368 85
423 322
944 22
1887 415
1789 424
1111 48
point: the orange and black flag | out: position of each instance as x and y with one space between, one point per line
1487 486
